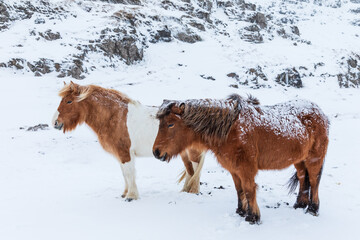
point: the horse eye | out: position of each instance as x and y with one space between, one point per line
170 125
69 102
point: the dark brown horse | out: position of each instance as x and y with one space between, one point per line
125 128
247 137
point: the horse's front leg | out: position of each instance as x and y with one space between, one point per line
247 177
242 202
128 170
126 183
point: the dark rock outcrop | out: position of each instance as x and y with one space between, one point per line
4 16
350 78
259 19
124 48
253 77
49 35
188 37
290 78
131 2
163 35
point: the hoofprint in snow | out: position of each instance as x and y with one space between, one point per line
66 187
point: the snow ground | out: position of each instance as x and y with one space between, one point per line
56 186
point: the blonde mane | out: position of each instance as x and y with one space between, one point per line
84 92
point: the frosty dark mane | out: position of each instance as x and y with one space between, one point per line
209 117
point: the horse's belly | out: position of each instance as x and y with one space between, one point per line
278 156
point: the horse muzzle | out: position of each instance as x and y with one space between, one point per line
55 121
58 125
162 158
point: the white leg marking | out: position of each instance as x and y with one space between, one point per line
129 175
126 182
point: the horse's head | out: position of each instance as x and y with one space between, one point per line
70 112
173 135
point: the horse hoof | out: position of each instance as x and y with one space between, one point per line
123 195
129 199
252 219
313 209
241 212
300 205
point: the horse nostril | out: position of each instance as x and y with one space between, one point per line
56 123
156 153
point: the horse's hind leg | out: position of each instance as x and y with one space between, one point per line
242 202
314 167
302 200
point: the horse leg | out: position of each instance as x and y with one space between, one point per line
242 202
189 171
314 167
197 161
128 169
249 187
125 180
302 200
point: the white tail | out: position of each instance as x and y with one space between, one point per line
192 183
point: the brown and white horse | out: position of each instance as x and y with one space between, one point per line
125 128
247 137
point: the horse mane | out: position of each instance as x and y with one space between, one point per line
252 100
85 91
209 117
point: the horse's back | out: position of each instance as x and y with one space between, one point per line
297 114
285 132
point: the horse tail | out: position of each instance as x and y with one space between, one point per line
320 173
195 179
182 176
294 180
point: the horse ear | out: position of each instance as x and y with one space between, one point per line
75 88
72 86
178 109
64 83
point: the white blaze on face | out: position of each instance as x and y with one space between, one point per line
55 117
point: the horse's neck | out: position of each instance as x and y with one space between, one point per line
203 143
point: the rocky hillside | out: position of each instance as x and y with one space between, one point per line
271 42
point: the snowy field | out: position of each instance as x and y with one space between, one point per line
65 186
